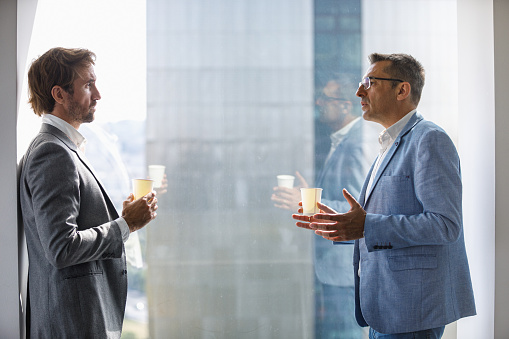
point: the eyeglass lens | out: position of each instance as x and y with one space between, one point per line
366 83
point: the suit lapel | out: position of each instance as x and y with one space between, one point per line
362 196
46 128
355 130
388 157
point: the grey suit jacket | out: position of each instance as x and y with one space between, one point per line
77 277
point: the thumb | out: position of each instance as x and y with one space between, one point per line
303 182
351 200
130 198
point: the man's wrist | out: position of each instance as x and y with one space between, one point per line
124 228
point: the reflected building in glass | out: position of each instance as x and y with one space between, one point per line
230 106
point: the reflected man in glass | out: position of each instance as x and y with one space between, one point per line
346 165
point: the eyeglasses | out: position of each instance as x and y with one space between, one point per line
366 82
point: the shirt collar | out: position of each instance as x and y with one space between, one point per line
390 134
71 132
337 136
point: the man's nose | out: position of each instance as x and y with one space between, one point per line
360 91
97 95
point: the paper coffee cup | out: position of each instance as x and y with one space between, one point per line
142 187
285 181
310 196
156 173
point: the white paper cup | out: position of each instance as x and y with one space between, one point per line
156 173
285 181
142 187
310 196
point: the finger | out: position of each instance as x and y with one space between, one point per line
277 198
333 236
301 217
328 234
303 182
285 207
283 204
351 200
324 216
303 225
334 217
321 226
325 208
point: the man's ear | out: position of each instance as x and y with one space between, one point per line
404 90
58 94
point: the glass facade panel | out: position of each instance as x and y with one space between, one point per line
235 93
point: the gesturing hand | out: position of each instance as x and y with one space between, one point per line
138 213
336 226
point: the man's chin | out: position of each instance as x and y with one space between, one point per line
89 118
366 116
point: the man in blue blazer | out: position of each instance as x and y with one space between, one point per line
77 277
410 264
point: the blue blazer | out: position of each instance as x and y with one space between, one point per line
412 261
346 168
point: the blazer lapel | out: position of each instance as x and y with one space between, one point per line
390 153
328 165
355 130
362 197
46 128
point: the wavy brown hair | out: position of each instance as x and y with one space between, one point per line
57 67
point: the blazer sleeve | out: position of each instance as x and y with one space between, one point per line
53 180
418 202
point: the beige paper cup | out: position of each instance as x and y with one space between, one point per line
285 181
310 196
156 173
142 187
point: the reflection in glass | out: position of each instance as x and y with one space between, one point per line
230 106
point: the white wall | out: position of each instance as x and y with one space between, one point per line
501 25
16 18
476 144
9 301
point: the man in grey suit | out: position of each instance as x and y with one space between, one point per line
77 277
350 154
410 264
